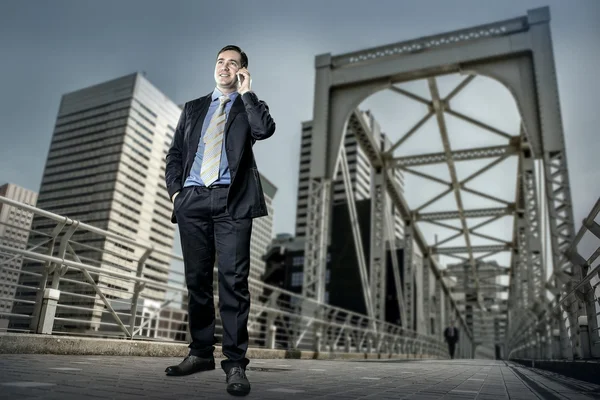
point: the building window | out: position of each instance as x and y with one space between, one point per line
298 261
297 278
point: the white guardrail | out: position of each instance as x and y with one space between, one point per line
77 279
568 327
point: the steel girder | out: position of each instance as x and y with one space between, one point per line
457 155
515 52
533 234
438 307
315 252
426 294
373 305
379 187
409 276
379 211
484 212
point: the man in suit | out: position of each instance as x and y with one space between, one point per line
213 182
451 336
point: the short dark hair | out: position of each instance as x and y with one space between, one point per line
235 48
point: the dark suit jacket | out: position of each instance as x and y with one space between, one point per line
451 339
248 121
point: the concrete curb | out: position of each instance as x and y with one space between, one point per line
25 343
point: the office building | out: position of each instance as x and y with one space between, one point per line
105 168
15 225
262 233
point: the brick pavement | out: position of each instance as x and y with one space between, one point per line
117 377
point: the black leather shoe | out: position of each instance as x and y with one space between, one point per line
190 365
237 383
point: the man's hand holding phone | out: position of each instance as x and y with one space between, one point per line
244 81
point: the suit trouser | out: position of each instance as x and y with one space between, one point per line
206 229
451 348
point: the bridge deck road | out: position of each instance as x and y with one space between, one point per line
27 376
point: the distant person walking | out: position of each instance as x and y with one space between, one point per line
451 337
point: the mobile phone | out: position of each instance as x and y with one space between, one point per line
240 79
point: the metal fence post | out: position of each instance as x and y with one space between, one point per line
549 334
574 309
531 338
39 300
347 343
556 350
272 334
48 311
565 341
584 336
270 327
37 308
317 342
137 290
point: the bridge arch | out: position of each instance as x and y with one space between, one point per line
516 53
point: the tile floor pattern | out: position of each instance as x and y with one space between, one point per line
104 377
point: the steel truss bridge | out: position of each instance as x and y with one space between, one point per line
518 54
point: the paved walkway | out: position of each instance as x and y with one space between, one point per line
110 377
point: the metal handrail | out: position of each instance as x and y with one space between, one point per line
545 316
335 320
87 227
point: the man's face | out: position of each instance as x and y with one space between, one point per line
228 63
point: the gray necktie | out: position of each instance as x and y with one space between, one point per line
213 143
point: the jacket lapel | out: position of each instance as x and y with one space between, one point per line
199 113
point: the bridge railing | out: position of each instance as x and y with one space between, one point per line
78 279
550 334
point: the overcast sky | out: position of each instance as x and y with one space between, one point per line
51 48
